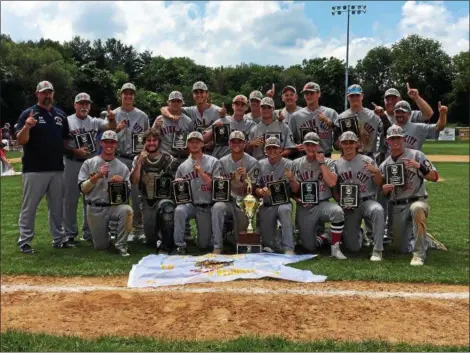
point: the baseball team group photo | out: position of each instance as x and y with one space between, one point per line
136 188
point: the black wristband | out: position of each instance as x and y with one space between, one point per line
424 170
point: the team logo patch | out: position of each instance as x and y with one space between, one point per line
427 163
58 120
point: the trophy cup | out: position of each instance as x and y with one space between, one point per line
249 241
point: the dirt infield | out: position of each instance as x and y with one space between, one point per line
59 307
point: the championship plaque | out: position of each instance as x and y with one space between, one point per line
137 143
349 124
179 140
118 193
85 140
221 134
348 195
163 186
309 192
395 174
272 134
221 190
278 191
182 192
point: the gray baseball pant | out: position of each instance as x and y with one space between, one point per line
406 229
71 196
35 186
268 216
219 211
203 222
373 213
136 201
98 219
309 217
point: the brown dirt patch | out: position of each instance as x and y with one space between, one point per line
207 316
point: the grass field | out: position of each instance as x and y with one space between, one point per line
460 148
26 342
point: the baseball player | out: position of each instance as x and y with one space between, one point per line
370 125
158 213
42 130
354 168
289 97
168 127
316 168
255 106
271 169
409 202
314 118
93 180
237 122
415 133
199 169
131 124
237 166
392 97
269 128
84 130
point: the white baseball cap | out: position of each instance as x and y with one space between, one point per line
272 141
348 136
109 135
237 135
312 137
195 135
44 86
129 86
395 131
83 97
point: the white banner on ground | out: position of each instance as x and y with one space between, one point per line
164 270
448 134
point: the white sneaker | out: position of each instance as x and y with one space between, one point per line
336 252
376 256
417 261
131 237
289 252
142 238
268 249
124 253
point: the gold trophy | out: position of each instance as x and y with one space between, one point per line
249 241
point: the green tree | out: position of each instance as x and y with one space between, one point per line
458 97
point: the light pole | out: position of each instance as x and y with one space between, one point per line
354 10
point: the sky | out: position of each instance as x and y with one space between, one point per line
229 33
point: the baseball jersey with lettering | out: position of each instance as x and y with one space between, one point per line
168 129
372 124
414 180
99 194
202 122
273 172
79 126
287 115
137 123
353 172
201 192
310 171
306 120
416 133
229 167
276 128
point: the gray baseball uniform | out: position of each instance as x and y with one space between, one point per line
202 122
222 209
307 215
287 115
255 120
405 201
306 120
167 132
244 125
268 214
277 129
72 165
416 133
137 122
200 208
153 209
98 210
416 116
372 124
353 172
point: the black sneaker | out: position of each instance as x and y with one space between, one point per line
65 245
73 241
27 249
179 251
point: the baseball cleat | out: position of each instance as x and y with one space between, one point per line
289 252
376 256
124 253
142 238
336 252
268 249
64 245
417 261
179 251
27 249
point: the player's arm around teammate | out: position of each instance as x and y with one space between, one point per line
362 171
409 202
93 180
314 167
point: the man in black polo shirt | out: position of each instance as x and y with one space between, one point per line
42 129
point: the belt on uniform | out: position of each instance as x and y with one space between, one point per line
409 200
98 204
127 156
75 159
202 204
364 199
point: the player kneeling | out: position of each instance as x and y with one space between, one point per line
359 179
198 169
104 180
408 201
315 175
158 207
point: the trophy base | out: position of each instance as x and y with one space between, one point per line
249 248
249 243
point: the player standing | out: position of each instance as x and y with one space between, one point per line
255 106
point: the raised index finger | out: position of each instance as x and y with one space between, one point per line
408 86
375 105
272 88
